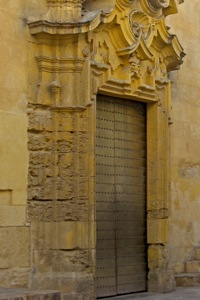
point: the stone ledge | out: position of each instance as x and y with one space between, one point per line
188 280
25 294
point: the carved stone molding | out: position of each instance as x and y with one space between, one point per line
65 2
59 65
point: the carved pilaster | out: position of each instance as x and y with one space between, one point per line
64 10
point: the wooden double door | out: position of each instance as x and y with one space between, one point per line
120 196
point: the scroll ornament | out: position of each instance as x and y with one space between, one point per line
159 3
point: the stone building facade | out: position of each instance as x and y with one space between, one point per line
85 86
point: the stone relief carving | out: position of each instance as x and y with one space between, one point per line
135 64
140 24
86 52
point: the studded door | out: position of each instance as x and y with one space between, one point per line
120 196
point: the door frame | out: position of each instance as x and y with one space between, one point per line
157 194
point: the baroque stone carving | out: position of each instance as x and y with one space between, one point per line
139 23
63 10
159 3
124 3
135 65
157 8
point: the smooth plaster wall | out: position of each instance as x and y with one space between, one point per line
185 139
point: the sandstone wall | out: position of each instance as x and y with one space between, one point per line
14 228
185 139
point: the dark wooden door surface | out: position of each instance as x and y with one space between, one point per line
120 196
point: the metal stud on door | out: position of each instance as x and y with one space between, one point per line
120 196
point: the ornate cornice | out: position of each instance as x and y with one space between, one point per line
131 39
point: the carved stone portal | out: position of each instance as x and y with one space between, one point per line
125 51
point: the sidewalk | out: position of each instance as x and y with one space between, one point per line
179 294
24 294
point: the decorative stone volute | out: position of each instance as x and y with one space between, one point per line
159 3
65 10
124 3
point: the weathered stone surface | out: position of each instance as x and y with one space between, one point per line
65 281
157 231
12 215
192 266
197 253
14 277
46 211
40 120
61 261
188 280
60 235
157 257
77 297
14 253
185 142
160 280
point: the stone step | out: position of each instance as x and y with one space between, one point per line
192 266
24 294
188 280
197 253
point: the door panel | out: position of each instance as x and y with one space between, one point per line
120 196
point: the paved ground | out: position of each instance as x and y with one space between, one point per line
179 294
22 294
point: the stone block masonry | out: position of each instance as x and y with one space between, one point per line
58 198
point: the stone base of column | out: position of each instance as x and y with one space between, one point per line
161 281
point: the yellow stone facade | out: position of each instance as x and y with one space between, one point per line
56 56
184 144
